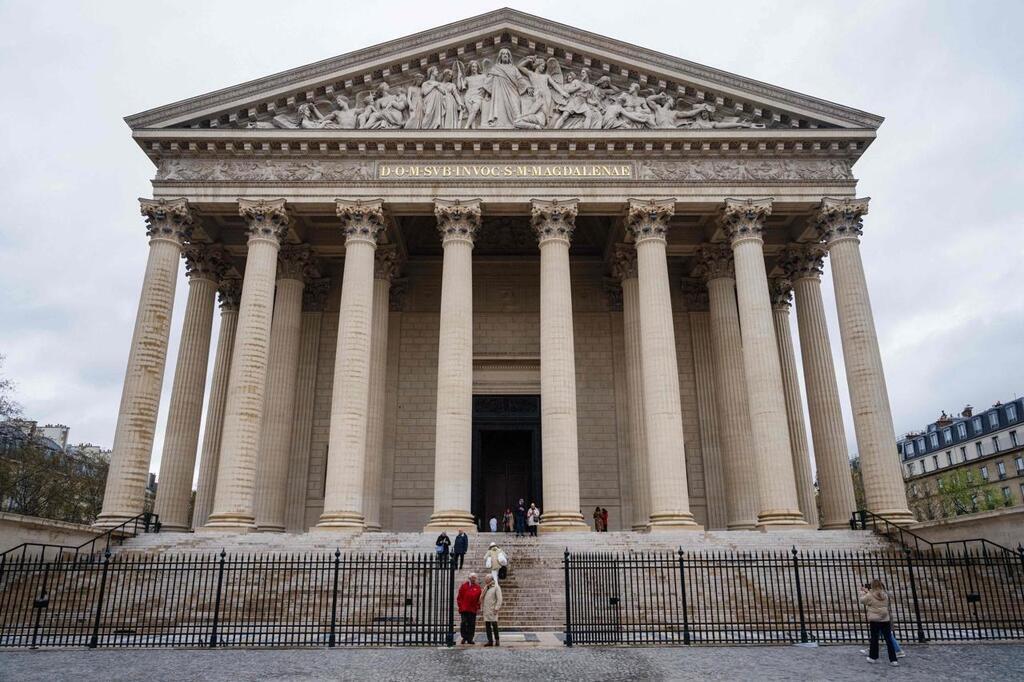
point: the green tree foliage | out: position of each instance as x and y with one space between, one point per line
35 481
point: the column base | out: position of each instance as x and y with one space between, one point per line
229 523
372 528
343 522
109 520
562 522
669 521
897 516
782 520
450 521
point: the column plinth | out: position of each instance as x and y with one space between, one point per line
663 423
168 224
840 227
233 503
458 223
205 266
743 222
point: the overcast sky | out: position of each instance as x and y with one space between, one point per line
943 245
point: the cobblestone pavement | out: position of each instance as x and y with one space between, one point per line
923 662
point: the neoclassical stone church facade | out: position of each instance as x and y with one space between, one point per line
503 259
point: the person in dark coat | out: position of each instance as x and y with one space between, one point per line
460 548
521 518
604 520
442 546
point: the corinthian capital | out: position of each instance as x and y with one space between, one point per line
714 261
230 293
780 290
695 293
553 219
744 218
206 261
457 220
386 263
267 220
838 219
624 262
314 295
803 261
296 262
168 219
361 220
648 219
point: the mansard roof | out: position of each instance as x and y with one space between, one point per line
274 100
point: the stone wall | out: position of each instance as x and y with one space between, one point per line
16 529
1003 526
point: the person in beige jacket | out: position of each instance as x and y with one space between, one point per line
876 600
490 605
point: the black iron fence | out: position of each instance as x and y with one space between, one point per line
789 597
224 600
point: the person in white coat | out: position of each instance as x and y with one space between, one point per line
495 560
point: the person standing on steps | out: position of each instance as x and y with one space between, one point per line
508 525
876 600
521 518
598 520
490 604
459 549
604 520
468 603
496 561
494 525
532 519
442 546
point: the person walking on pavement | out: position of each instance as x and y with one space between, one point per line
490 605
442 547
598 520
532 519
495 561
876 600
459 549
468 602
521 518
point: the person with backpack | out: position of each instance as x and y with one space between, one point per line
496 562
876 600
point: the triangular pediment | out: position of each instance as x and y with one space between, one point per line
503 70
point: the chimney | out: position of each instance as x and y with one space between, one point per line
967 412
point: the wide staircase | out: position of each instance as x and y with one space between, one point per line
534 590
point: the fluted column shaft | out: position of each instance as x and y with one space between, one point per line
553 222
828 434
177 465
233 503
635 396
736 441
282 375
168 226
669 496
362 224
743 221
840 225
453 456
386 264
794 409
230 292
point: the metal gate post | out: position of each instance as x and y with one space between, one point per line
799 597
95 638
334 599
216 603
682 591
913 594
568 600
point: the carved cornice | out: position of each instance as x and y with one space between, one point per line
457 220
314 295
167 219
553 219
387 263
803 261
714 261
361 220
649 219
295 262
624 262
780 290
206 261
839 219
230 294
695 294
268 220
744 218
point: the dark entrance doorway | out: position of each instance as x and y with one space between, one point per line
506 454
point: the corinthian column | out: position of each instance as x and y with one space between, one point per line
168 225
840 226
230 292
781 294
384 271
361 222
243 413
663 419
743 222
803 266
624 269
204 265
715 266
553 222
453 456
293 266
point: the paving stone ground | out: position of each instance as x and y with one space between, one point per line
923 662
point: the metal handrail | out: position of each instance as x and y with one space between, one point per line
862 518
148 521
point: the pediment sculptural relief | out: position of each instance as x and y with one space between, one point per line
529 93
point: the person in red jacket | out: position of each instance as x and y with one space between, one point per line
468 602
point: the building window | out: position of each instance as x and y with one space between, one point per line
920 444
993 419
984 473
934 438
1013 439
1011 412
1020 465
908 448
1001 468
978 449
1022 491
976 423
995 443
963 453
961 430
1006 495
935 461
947 435
949 458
